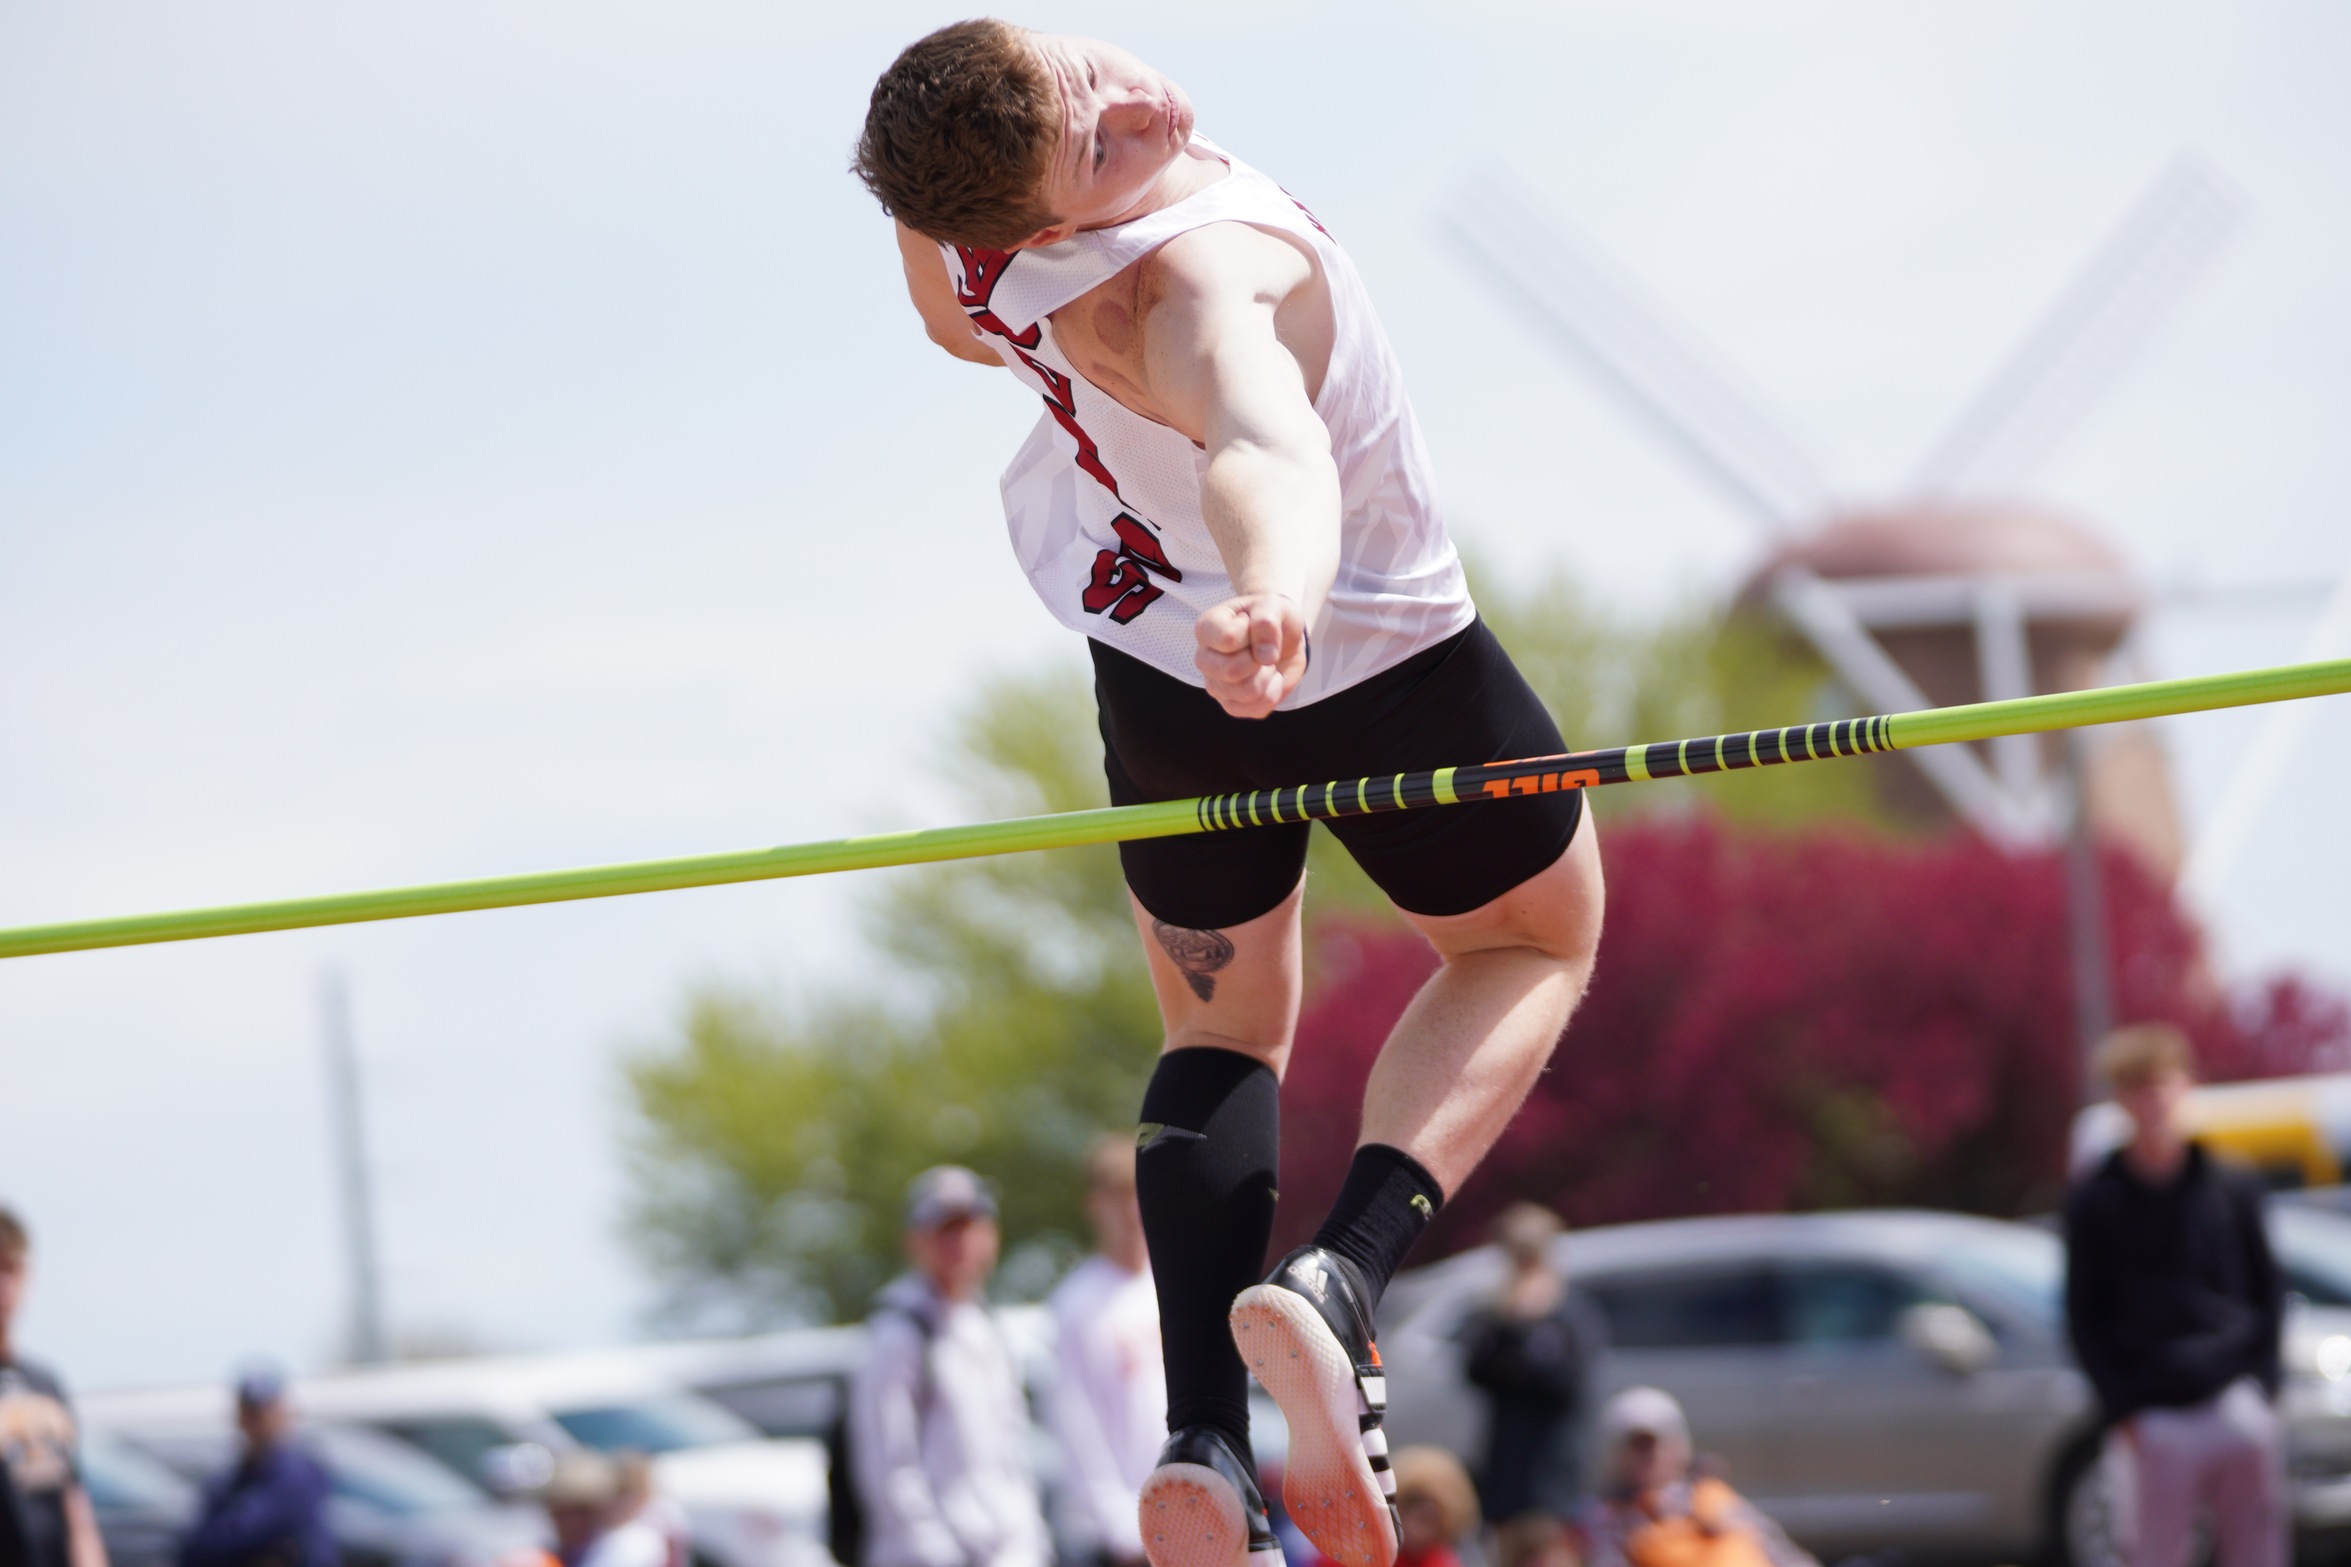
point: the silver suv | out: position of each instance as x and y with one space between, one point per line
1874 1380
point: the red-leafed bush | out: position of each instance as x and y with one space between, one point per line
1799 1022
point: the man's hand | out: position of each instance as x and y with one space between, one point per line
1253 652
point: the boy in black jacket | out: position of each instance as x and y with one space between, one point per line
2174 1306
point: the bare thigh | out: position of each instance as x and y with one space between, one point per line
1233 989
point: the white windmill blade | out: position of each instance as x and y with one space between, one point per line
2237 813
1555 281
1958 774
2082 342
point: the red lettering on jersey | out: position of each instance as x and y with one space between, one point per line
1089 455
1122 577
1139 543
1121 583
988 321
1061 398
982 271
1120 586
1058 389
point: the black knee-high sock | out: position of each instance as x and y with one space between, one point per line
1387 1201
1205 1174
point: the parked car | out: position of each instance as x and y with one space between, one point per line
143 1508
749 1501
390 1505
1874 1380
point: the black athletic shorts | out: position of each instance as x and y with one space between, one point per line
1457 703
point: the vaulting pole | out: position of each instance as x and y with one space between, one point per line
1224 812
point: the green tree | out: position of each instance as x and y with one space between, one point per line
773 1142
1015 1020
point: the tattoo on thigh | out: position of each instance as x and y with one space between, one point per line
1199 953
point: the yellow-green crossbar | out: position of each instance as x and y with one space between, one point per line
1442 787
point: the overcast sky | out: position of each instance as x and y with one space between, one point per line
442 439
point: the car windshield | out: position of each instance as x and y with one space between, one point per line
655 1425
388 1476
2313 1252
118 1475
2022 1268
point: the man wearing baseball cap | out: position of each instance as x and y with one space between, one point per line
938 1424
1654 1511
269 1508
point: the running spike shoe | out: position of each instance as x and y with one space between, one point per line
1306 1335
1201 1506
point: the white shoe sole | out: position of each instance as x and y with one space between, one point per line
1327 1480
1191 1517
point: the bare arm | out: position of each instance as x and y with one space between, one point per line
1215 359
933 293
84 1546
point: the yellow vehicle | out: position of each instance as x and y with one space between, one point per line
2295 1130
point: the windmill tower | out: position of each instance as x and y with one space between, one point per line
1956 590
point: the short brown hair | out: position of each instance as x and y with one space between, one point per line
959 135
2142 1052
1525 1226
14 1242
1437 1475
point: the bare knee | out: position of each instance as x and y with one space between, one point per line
1553 916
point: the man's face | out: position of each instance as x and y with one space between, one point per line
2153 1102
1115 1214
13 1267
576 1524
262 1424
956 1254
1122 124
1647 1462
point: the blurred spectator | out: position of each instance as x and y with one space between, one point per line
595 1521
1652 1513
2174 1305
641 1503
269 1509
1436 1506
1109 1407
938 1426
1532 1350
45 1516
1535 1540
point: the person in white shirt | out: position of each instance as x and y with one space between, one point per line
938 1424
1109 1405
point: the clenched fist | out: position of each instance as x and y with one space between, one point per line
1252 651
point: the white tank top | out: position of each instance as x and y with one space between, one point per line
1104 504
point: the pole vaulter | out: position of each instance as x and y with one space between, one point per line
1446 786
